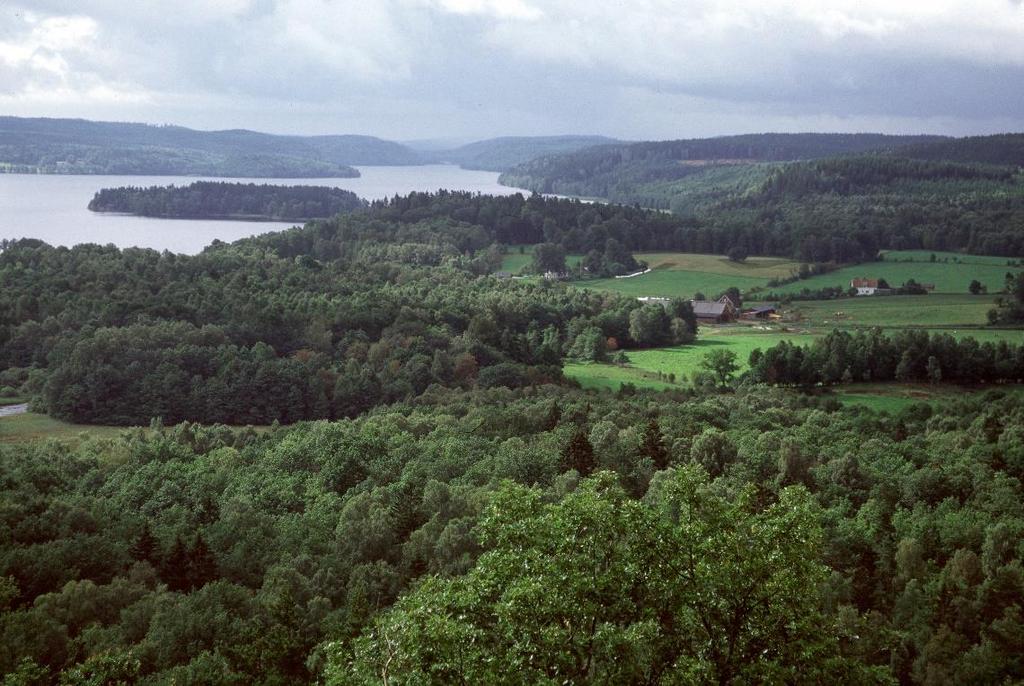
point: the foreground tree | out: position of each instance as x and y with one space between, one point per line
688 586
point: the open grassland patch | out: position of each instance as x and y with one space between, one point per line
896 311
947 277
893 397
32 426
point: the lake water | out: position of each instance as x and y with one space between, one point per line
53 207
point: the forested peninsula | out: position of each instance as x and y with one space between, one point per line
223 200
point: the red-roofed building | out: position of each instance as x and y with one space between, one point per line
865 286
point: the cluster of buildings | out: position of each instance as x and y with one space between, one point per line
724 310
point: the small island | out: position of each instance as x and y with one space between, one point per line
223 200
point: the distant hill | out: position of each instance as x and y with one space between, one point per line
618 172
501 154
77 146
1004 149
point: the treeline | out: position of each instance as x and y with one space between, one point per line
908 355
209 199
838 546
240 334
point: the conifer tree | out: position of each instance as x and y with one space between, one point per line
579 453
654 446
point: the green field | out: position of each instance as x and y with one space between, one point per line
32 426
933 310
894 397
681 275
514 261
948 277
13 400
611 377
645 365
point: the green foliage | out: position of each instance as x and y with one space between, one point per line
721 363
686 586
795 546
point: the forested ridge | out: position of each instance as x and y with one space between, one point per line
614 171
841 209
210 199
76 146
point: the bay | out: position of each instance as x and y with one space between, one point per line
53 208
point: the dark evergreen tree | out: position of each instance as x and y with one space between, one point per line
578 453
145 547
653 446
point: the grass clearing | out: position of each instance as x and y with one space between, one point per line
514 261
32 426
893 397
948 277
681 275
900 311
609 376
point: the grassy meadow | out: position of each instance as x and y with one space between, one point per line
681 275
32 426
897 267
896 311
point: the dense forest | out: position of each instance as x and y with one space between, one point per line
619 172
526 536
462 513
75 146
218 200
317 322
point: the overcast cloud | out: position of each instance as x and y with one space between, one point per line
644 69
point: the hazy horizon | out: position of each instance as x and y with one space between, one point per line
475 69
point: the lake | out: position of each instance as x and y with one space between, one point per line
53 207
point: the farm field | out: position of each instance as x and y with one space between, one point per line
681 275
645 365
951 277
610 377
650 368
897 311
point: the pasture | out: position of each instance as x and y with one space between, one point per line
681 275
32 426
896 269
896 311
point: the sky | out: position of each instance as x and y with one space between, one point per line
468 69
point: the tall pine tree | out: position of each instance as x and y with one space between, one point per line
578 453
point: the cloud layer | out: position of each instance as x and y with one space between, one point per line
471 68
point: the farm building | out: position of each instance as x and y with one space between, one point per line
762 312
865 286
718 312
